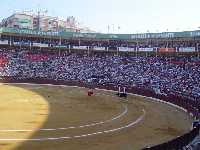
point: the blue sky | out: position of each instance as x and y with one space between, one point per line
133 16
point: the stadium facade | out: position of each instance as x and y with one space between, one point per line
187 41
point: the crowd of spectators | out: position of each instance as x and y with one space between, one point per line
162 74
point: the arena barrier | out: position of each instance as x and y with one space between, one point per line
175 144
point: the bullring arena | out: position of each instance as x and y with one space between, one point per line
59 89
37 117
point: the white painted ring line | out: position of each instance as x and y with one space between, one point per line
83 135
71 127
79 136
152 99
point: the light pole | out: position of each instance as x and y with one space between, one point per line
119 29
108 29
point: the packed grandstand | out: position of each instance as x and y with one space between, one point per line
154 64
175 75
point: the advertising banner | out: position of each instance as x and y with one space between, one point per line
40 45
5 42
146 49
99 48
126 49
65 34
80 47
187 49
166 50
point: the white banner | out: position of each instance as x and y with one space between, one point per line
126 49
146 49
22 43
79 47
187 49
40 45
4 42
99 48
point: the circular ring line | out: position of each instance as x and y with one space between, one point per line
71 127
83 135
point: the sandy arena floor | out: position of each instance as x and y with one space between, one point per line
39 117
